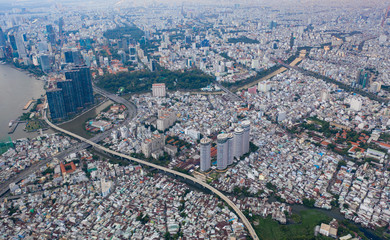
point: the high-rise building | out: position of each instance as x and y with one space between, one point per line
165 119
86 83
69 98
82 85
230 139
12 41
158 90
77 88
45 63
205 154
68 57
246 126
20 45
238 139
51 36
61 26
2 39
55 98
154 144
222 151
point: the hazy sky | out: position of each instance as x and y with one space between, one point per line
219 2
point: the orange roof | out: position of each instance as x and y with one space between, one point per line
384 144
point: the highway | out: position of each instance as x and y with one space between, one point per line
131 113
228 92
167 170
203 184
131 110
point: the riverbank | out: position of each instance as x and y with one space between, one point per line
77 125
16 89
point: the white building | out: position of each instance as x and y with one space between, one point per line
165 119
105 187
205 154
238 137
158 90
222 151
230 137
246 126
356 104
150 145
264 87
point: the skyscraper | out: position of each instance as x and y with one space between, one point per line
238 139
55 99
69 98
205 154
82 85
230 137
68 56
246 125
12 41
51 36
222 151
60 26
20 45
45 63
77 87
86 83
2 39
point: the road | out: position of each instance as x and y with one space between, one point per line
233 96
167 170
131 113
280 70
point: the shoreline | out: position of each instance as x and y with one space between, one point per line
34 90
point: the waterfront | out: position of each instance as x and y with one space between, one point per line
16 89
77 125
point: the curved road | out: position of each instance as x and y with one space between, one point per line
212 189
131 112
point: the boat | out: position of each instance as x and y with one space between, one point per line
11 123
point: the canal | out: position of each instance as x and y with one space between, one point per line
77 125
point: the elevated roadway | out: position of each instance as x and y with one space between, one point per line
164 169
131 112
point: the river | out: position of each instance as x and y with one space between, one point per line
77 125
16 89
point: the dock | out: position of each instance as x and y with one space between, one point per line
28 104
14 126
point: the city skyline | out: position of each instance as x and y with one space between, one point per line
128 119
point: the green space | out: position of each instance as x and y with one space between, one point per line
303 228
242 39
30 68
33 125
261 74
141 81
119 32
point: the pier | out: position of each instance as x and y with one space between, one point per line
14 126
28 104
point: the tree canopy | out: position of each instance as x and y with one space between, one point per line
140 81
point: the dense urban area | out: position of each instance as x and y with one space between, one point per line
238 120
